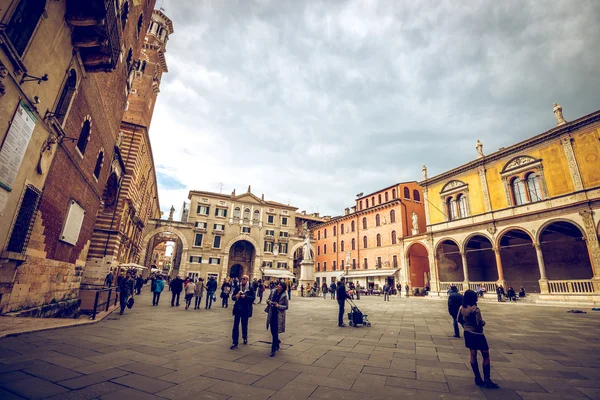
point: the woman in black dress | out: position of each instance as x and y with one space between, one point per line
469 316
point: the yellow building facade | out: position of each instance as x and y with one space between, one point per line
525 216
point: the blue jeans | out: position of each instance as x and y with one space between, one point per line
209 299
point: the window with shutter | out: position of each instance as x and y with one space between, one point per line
21 231
73 223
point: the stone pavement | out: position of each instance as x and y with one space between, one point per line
170 353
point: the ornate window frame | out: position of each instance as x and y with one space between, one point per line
452 190
521 167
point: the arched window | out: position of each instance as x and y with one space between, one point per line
377 220
325 234
392 216
534 191
451 206
124 14
393 193
386 197
407 193
334 247
461 201
518 191
140 23
394 237
324 249
23 22
379 198
378 240
360 205
237 212
416 195
84 135
352 226
319 235
318 250
372 200
334 230
364 242
247 213
367 203
342 245
256 215
68 91
364 222
342 229
353 244
99 162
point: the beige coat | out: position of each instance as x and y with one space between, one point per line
281 308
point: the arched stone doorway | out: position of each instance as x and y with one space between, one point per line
565 252
241 259
179 253
417 273
481 260
449 261
519 261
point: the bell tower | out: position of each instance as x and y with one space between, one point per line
145 77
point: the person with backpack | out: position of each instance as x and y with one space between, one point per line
176 286
332 289
261 290
158 285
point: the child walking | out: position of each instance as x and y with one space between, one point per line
469 316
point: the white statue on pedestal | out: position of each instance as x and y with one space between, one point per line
424 171
479 147
306 256
348 255
560 120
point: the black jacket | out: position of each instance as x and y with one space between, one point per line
176 285
211 285
243 306
341 294
454 302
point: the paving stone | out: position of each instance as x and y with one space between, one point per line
129 394
241 391
232 376
152 371
96 377
33 388
185 375
295 391
370 384
191 389
389 372
143 383
5 395
416 384
51 372
13 376
276 379
96 367
66 361
90 392
309 369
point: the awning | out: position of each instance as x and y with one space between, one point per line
132 265
372 272
277 273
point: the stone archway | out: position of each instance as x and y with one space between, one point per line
450 262
241 259
417 273
565 251
162 229
481 259
519 260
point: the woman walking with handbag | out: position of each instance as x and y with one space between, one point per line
276 308
225 292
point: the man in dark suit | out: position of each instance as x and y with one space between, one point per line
243 297
454 302
341 296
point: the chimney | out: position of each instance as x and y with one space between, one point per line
346 211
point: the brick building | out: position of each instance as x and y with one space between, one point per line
121 223
95 45
364 244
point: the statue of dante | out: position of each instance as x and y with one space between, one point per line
306 246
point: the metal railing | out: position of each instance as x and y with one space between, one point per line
571 286
102 300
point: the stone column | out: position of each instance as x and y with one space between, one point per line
501 280
593 246
406 272
543 279
433 275
465 270
426 203
572 162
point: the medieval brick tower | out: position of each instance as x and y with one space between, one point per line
121 223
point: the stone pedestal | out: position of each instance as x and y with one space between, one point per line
415 231
306 274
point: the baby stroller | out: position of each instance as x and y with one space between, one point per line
356 317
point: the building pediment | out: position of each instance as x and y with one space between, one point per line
248 198
453 185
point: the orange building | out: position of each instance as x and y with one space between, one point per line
365 243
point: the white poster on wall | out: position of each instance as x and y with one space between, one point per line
15 144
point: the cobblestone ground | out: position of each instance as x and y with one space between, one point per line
164 352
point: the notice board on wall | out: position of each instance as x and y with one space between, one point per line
15 144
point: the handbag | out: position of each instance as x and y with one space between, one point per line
130 302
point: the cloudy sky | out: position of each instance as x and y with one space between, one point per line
312 102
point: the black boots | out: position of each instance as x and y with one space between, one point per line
486 378
475 368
